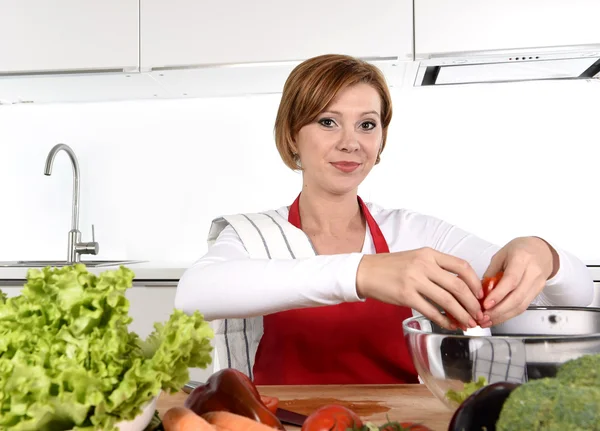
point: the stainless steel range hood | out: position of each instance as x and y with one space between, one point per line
563 62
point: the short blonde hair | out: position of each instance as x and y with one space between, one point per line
311 87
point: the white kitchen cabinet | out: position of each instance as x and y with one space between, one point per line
68 35
153 303
443 26
194 33
11 290
149 304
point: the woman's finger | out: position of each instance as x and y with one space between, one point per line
462 269
517 301
449 303
459 290
428 310
513 274
496 264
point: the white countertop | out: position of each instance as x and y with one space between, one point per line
151 271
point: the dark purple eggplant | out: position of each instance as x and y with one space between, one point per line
482 409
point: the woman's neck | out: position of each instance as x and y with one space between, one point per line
327 214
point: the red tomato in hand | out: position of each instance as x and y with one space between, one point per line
488 284
455 322
270 402
332 418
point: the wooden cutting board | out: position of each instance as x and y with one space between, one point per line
373 403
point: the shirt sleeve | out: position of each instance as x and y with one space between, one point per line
572 285
227 283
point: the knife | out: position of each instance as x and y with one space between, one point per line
285 416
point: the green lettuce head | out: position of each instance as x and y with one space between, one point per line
68 361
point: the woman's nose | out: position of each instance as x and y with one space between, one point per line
349 142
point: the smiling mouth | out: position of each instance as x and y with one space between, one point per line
346 166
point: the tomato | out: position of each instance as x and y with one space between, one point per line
270 402
488 284
456 322
332 418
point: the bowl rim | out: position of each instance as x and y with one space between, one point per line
410 331
144 410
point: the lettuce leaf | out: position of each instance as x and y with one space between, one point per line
68 361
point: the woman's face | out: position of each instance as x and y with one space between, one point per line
340 147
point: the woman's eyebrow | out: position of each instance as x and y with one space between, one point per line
328 111
371 112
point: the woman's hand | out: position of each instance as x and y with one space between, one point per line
410 278
527 264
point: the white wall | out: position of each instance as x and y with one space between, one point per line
499 160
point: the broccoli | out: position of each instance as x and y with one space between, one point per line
583 371
571 401
468 390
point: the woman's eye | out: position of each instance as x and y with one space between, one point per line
327 122
367 125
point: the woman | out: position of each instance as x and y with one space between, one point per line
316 293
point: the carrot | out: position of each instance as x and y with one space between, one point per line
270 402
226 421
183 419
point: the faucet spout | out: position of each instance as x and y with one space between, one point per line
75 247
48 171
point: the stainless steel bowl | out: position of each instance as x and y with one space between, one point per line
530 346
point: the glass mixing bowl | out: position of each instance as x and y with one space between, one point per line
530 346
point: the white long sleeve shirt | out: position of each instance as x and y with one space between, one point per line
227 283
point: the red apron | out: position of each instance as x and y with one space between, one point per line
348 343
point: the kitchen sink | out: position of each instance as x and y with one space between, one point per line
58 263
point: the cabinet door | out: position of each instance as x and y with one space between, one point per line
191 32
443 26
149 304
12 291
155 303
68 35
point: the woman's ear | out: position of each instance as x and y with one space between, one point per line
378 159
295 155
293 147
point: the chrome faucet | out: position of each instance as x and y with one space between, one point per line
76 247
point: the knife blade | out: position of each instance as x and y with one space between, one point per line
289 417
285 416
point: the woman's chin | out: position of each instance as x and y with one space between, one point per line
342 188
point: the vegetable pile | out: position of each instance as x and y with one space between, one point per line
232 391
229 401
569 401
68 361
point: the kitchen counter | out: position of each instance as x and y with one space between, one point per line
167 273
373 403
145 272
